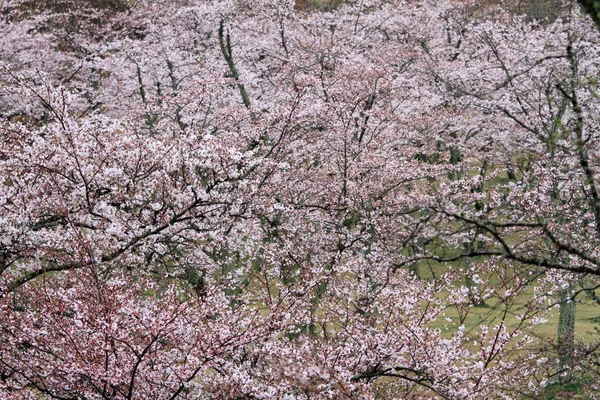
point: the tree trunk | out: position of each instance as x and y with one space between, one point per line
566 334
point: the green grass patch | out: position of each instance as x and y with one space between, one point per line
491 312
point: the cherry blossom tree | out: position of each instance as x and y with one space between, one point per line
230 199
531 196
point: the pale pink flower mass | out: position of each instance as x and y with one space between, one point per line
254 200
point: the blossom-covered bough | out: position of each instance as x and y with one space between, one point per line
238 199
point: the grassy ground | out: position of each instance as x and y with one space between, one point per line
587 317
587 330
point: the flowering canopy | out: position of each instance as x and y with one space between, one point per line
231 199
